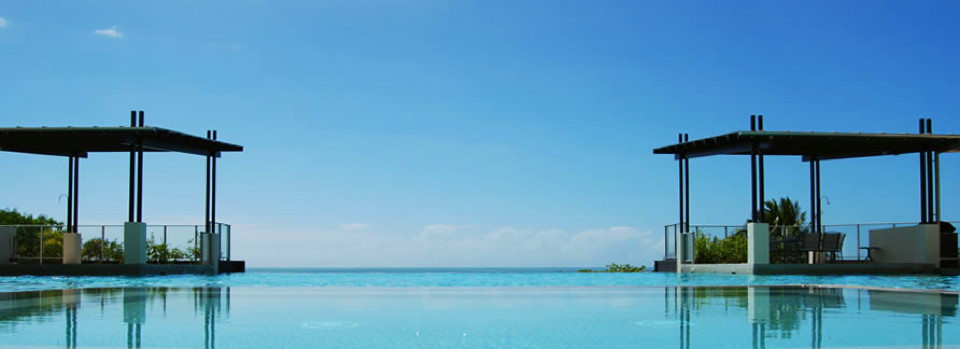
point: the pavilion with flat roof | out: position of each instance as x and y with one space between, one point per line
918 248
77 143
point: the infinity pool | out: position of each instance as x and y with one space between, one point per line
489 309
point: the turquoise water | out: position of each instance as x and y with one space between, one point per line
476 308
480 277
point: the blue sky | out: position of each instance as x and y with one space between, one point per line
472 133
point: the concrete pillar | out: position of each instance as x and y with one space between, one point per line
684 248
758 243
210 250
7 236
71 248
134 243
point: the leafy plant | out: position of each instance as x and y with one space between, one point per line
163 253
110 250
785 217
713 250
42 232
624 268
616 268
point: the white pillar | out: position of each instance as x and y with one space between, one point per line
758 243
210 250
134 243
71 248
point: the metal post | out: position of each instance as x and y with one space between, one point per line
753 185
164 234
930 180
930 196
206 227
753 172
819 206
686 184
69 198
213 185
133 123
140 175
936 176
761 173
813 196
923 179
76 195
680 176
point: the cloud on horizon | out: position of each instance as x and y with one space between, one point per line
356 226
3 22
111 32
446 245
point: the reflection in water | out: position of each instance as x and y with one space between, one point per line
783 309
22 308
779 315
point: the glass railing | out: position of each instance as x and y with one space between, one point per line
855 237
166 244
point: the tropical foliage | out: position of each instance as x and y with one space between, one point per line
714 250
36 232
163 253
616 268
785 217
102 250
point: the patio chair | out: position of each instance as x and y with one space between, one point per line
810 242
833 245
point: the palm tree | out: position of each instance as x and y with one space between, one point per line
785 217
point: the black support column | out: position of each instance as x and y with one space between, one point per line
135 203
73 192
756 172
76 194
140 174
815 210
684 182
69 195
929 179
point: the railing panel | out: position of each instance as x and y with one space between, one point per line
104 243
855 237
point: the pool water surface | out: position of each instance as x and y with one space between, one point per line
473 310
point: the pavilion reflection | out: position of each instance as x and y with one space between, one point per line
41 306
779 311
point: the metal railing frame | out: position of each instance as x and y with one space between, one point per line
219 229
668 237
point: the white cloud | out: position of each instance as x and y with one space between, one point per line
3 22
356 226
447 245
111 32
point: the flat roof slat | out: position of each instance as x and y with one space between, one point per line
823 145
65 141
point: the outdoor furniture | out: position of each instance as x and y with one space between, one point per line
786 250
823 247
869 257
833 245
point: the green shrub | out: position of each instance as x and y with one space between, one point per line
616 268
713 250
163 253
110 250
